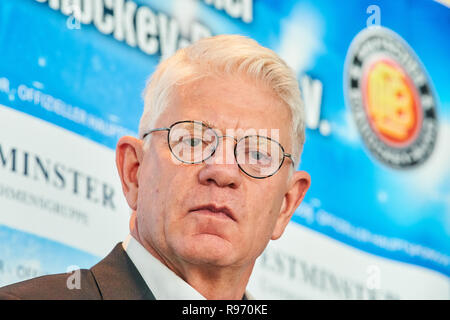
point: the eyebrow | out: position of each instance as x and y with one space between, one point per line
209 124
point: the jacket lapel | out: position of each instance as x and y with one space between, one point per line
118 279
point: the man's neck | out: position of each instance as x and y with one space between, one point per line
214 283
218 283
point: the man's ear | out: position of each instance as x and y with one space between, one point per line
129 156
299 184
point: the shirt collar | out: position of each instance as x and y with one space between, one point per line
163 282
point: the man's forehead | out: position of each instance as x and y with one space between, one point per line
237 127
232 103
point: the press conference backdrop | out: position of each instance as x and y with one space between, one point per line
374 75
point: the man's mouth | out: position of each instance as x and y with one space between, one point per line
214 210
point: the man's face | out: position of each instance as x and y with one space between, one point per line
169 190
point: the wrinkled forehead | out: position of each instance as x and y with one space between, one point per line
233 104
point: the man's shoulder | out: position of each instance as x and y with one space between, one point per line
114 277
77 285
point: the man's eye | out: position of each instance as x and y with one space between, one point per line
259 156
192 142
256 155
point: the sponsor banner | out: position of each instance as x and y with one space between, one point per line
304 264
377 113
52 185
391 98
38 256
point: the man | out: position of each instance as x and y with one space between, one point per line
210 181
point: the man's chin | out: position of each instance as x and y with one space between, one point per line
206 248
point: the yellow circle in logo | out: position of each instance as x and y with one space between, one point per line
391 103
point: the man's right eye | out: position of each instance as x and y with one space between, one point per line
192 142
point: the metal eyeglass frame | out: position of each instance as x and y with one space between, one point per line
285 155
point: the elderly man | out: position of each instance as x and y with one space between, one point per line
210 180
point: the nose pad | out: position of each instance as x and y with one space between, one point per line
218 156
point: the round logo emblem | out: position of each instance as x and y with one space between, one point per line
391 98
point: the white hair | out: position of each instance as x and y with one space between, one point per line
225 54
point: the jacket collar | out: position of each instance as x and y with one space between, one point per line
118 279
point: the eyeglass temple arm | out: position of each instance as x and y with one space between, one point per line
290 157
153 130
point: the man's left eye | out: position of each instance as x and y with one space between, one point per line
259 156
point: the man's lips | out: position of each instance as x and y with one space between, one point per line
215 210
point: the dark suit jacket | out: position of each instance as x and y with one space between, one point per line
113 278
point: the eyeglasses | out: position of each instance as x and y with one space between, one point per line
195 142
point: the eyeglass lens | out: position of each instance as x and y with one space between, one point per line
194 142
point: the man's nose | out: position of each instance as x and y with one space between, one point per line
221 168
